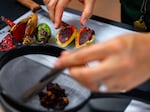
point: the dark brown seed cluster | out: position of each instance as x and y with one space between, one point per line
54 98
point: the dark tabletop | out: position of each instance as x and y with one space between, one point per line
12 9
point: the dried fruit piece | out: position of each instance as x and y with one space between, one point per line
66 35
43 33
25 27
31 25
54 98
7 43
85 36
7 21
16 30
28 40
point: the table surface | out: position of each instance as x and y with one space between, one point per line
13 10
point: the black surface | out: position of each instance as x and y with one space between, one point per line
12 10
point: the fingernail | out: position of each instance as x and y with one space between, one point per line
56 26
83 22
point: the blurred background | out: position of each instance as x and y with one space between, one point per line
104 8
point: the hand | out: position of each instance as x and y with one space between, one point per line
124 63
87 11
56 9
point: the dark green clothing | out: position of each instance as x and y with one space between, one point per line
130 11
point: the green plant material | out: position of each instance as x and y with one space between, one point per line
43 33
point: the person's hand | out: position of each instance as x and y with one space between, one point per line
87 11
56 8
124 63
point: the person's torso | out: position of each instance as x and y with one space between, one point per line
132 11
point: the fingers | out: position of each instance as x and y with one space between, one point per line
114 81
91 75
46 1
82 1
59 12
122 82
95 52
118 83
51 6
87 80
56 8
87 11
111 67
120 69
73 57
117 75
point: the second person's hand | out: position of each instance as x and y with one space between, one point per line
56 9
